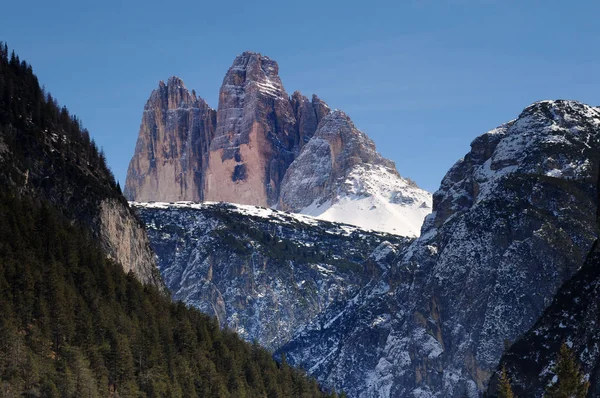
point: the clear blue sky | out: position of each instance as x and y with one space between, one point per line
421 77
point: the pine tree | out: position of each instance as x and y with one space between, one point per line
504 388
571 383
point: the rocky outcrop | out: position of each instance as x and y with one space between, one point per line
512 221
125 240
243 154
339 173
171 153
307 114
571 319
256 134
64 169
264 273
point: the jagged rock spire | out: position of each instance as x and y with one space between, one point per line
172 148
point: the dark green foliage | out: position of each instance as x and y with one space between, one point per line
44 150
29 117
74 324
570 383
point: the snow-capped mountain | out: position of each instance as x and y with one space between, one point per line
262 147
339 176
263 273
512 221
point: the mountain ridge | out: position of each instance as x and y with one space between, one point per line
262 272
512 216
244 153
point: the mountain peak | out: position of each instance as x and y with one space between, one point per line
555 110
244 155
175 81
253 54
339 175
171 150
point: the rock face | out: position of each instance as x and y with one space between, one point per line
127 242
573 319
511 223
243 154
263 273
340 175
256 134
171 153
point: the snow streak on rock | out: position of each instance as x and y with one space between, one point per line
262 272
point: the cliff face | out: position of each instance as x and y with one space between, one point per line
171 153
46 155
572 318
256 134
264 273
340 175
126 241
512 221
244 153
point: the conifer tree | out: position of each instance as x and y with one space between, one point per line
504 388
570 383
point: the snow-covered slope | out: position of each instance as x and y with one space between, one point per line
263 273
374 198
340 176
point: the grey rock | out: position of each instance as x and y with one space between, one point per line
335 149
256 128
263 273
511 223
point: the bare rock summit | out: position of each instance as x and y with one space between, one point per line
265 148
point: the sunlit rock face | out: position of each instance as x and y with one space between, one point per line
171 153
257 135
261 146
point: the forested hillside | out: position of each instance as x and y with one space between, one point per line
73 323
46 153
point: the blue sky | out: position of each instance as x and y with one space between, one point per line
420 77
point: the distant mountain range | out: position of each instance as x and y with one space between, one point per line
265 148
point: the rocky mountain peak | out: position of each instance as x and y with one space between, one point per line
172 95
307 116
256 134
354 145
543 129
339 171
253 71
241 153
321 108
512 221
172 148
